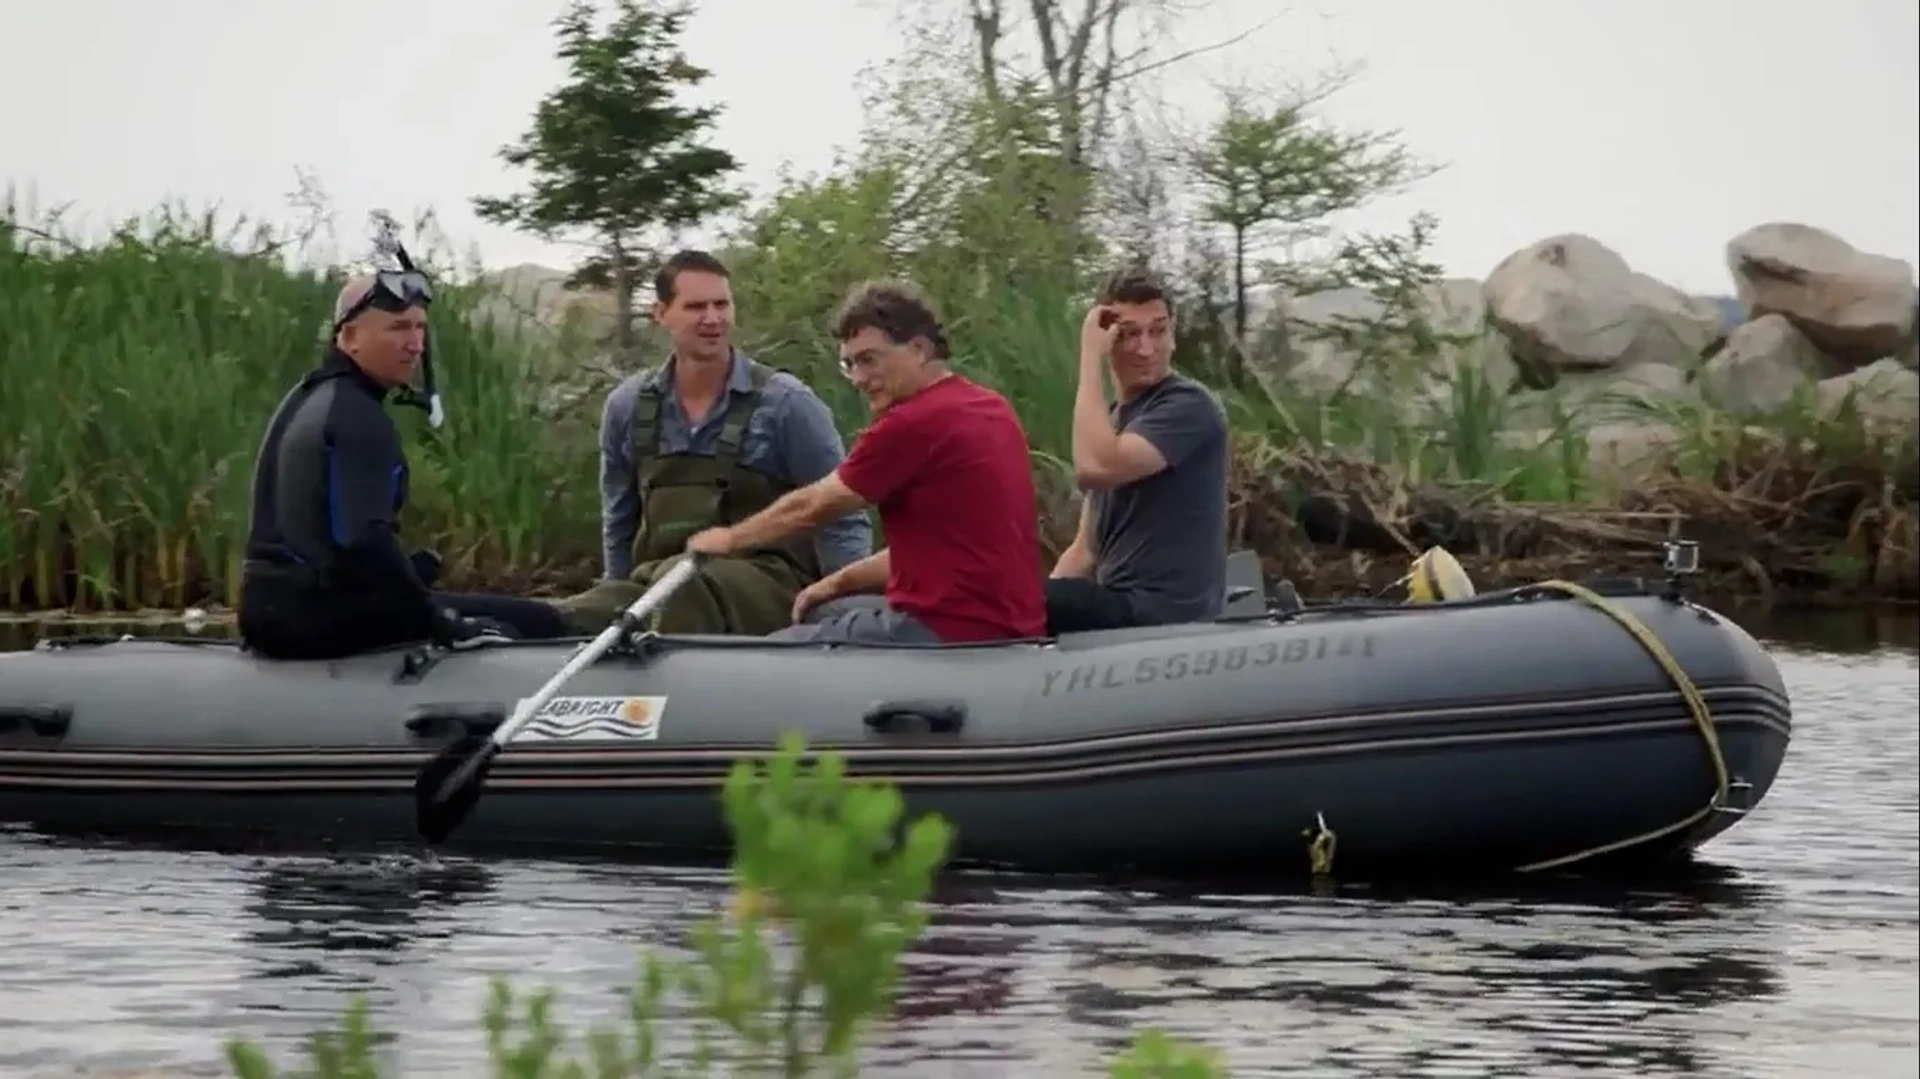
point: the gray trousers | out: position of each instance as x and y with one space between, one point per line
857 620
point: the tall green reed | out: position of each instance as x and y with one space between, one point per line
139 375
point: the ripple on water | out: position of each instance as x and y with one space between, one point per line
1801 957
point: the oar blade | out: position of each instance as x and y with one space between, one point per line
448 788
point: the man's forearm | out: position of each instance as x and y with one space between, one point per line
1075 561
796 511
1094 439
865 576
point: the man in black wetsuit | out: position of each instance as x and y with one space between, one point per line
325 575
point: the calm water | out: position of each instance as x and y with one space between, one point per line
1794 956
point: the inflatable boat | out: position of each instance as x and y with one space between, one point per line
1552 725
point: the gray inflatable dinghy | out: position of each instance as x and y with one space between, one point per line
1545 726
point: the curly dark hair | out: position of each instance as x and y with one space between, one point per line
1133 284
896 309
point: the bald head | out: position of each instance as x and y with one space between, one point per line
351 294
386 344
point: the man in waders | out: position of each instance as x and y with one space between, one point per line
707 439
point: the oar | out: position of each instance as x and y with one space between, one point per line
448 788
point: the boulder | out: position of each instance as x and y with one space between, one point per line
1597 398
1883 395
1615 451
1455 307
1456 310
1570 303
1637 385
1620 450
1765 363
1857 307
529 294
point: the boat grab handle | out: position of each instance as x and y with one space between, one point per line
465 720
900 717
36 720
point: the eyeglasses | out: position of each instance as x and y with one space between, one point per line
391 291
863 362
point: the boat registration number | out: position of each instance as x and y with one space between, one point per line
1206 662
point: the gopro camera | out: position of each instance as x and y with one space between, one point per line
1683 557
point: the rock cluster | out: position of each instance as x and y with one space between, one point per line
1566 328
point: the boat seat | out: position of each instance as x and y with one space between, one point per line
1246 588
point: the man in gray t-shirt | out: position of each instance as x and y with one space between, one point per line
1152 541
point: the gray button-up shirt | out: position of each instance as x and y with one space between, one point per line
791 437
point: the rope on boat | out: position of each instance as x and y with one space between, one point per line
1696 707
1320 846
1321 840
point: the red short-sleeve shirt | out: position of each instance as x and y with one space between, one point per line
948 470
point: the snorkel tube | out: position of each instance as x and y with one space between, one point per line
387 246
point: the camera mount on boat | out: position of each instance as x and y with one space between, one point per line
1682 561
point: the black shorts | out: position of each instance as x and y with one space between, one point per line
1076 604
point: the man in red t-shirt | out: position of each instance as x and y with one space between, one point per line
946 464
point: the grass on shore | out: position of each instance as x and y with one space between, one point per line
138 375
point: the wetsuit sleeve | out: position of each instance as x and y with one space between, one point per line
619 501
811 449
363 473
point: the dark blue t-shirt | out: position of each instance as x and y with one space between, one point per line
1162 540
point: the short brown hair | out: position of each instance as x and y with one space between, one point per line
896 309
666 280
1133 284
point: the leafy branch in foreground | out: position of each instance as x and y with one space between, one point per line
829 890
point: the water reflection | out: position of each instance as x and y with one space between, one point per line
380 907
1850 631
1013 975
1514 985
1542 981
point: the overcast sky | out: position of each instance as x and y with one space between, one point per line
1662 128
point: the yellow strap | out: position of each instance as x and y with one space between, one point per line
1696 706
1321 839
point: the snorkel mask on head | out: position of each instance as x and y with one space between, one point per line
397 286
391 292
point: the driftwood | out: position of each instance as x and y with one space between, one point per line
1774 523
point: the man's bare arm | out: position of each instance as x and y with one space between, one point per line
1077 559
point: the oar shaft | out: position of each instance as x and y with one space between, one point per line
591 654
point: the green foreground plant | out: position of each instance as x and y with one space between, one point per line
830 884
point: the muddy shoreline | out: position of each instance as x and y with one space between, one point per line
1773 531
